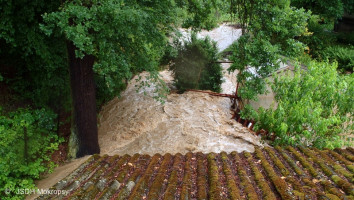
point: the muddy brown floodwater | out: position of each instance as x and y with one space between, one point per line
136 123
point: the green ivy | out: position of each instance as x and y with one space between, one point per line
27 137
313 107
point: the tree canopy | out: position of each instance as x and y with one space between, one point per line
330 10
270 29
125 37
36 68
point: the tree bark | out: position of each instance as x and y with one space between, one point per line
84 102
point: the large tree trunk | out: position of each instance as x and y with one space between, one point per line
84 102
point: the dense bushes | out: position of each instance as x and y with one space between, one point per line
195 66
202 14
312 107
320 36
32 64
325 44
26 139
343 55
345 38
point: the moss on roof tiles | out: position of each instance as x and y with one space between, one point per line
157 184
202 176
142 185
270 173
233 189
173 181
213 173
246 184
306 163
267 193
188 178
339 169
281 186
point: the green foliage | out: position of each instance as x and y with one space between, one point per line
313 106
160 91
222 11
346 38
104 93
321 25
320 36
195 66
201 14
26 139
170 52
39 71
343 55
269 31
348 6
126 37
330 10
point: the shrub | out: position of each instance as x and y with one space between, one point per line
196 67
26 139
313 107
321 36
343 55
345 38
170 52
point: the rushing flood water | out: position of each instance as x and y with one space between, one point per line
136 123
224 35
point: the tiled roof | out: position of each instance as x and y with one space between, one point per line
269 173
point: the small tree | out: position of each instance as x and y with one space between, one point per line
196 67
269 31
27 138
312 107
